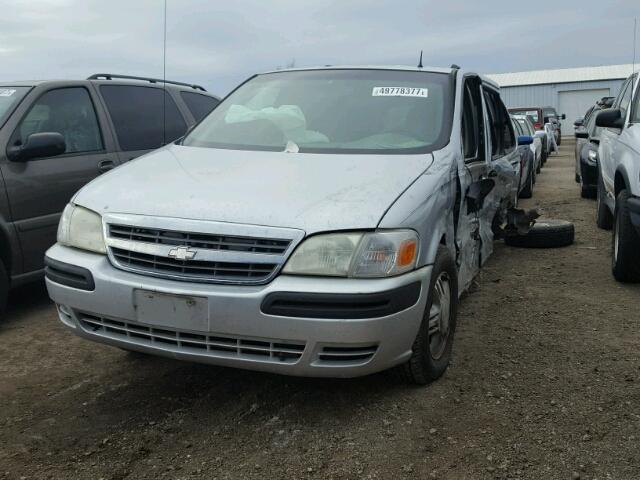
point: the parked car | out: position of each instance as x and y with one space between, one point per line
55 136
537 146
527 160
551 114
542 116
619 179
319 222
586 153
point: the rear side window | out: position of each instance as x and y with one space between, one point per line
199 105
502 133
68 111
137 114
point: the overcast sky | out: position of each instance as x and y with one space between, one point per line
219 43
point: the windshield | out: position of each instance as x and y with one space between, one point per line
333 111
9 98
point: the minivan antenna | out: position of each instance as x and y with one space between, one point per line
634 80
164 78
420 61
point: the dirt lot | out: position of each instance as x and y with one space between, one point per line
545 384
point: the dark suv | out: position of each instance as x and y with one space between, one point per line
55 136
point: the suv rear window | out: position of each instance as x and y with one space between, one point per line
137 114
199 105
9 98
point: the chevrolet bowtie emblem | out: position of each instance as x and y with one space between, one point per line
182 253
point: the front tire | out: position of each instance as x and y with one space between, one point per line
433 344
626 243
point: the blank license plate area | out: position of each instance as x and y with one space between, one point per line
174 311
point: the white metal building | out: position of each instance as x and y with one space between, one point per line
570 90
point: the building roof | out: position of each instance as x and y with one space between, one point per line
563 75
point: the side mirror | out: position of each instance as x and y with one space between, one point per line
610 118
38 145
546 119
477 192
563 116
579 122
525 140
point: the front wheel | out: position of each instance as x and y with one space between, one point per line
626 243
433 344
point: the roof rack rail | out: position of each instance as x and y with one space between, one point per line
111 76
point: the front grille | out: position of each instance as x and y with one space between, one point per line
275 351
335 354
195 269
200 240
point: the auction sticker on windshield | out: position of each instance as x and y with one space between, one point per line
400 92
5 92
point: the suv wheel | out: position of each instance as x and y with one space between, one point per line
626 243
434 341
604 219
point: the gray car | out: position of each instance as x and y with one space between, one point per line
319 222
56 136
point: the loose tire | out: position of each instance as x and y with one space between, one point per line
625 256
545 233
434 341
604 218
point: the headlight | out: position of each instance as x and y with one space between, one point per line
375 254
81 228
593 155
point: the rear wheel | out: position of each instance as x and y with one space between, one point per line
626 243
434 341
604 218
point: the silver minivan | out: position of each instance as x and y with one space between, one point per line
319 222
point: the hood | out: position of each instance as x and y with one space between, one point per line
312 192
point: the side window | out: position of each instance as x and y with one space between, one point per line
506 128
503 138
68 111
635 111
622 102
493 122
199 105
469 127
137 114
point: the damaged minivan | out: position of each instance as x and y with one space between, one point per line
319 222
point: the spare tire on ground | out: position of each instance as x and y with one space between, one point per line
545 233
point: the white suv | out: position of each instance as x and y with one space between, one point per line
619 179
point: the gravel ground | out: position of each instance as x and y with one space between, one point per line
544 384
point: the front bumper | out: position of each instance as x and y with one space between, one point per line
634 210
234 331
